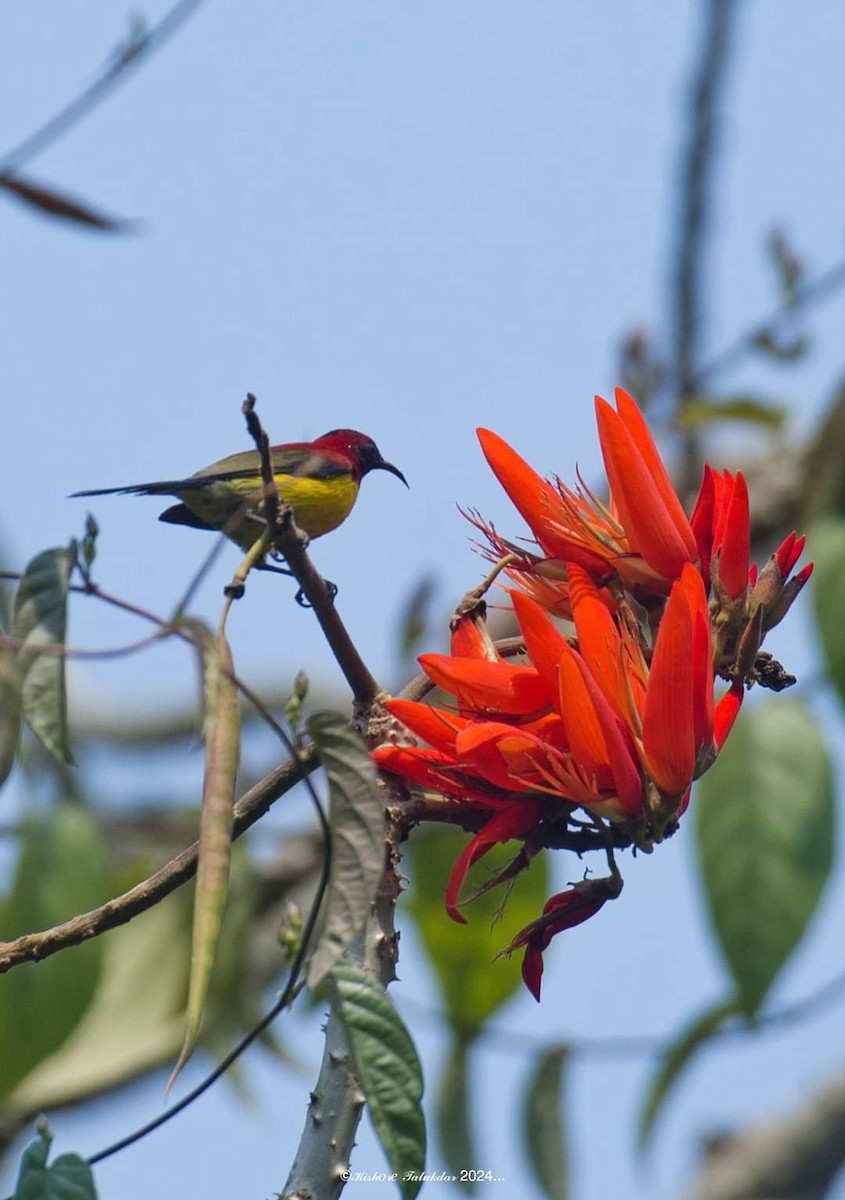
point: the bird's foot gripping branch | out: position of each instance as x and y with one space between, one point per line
596 737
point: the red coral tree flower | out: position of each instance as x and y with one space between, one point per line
620 718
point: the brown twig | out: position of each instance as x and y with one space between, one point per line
271 499
113 74
556 835
809 293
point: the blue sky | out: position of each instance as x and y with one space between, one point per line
410 219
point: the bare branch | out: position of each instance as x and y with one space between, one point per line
812 292
116 71
794 1158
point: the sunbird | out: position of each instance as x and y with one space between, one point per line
319 480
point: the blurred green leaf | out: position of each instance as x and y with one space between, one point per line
10 712
415 615
387 1065
764 824
828 588
61 871
68 1177
676 1059
779 350
88 545
641 369
453 1114
222 754
473 985
39 623
246 959
788 266
357 823
822 492
135 1020
542 1123
752 410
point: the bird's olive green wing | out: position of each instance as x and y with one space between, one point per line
286 460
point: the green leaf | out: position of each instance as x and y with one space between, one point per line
764 823
675 1059
473 985
135 1020
61 871
453 1113
68 1177
749 409
388 1068
542 1123
780 350
10 712
222 753
414 616
828 589
822 490
358 852
39 623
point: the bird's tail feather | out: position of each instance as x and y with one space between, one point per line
174 487
169 487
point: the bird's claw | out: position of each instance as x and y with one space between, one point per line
303 601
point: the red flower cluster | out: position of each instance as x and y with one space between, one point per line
621 718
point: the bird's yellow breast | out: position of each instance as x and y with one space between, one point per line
319 505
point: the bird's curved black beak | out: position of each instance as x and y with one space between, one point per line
384 465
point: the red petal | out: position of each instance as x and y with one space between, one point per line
488 687
702 681
511 821
701 521
544 643
596 735
735 541
702 657
532 970
668 719
533 496
434 725
536 500
727 711
578 711
498 753
423 767
470 639
650 511
598 640
789 551
574 910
